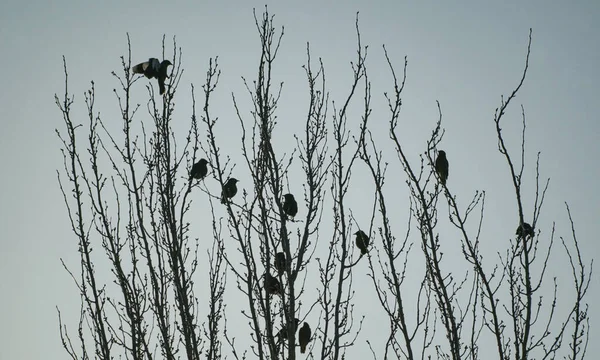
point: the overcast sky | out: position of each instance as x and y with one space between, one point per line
465 55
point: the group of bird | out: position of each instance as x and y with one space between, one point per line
303 335
524 230
199 171
271 284
154 69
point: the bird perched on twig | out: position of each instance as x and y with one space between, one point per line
362 241
272 285
280 262
154 69
162 75
525 230
292 327
441 166
290 206
304 337
229 190
199 170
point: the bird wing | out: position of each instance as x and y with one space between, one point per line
140 68
154 64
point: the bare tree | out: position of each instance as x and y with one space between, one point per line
126 196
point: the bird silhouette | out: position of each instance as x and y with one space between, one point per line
304 337
280 262
290 206
362 241
199 170
229 190
272 285
292 327
162 75
154 69
525 230
441 166
149 68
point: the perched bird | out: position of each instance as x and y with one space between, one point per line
149 68
199 170
272 285
162 75
304 337
292 327
280 262
229 190
441 166
525 230
290 207
362 241
154 69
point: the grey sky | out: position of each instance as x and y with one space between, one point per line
464 55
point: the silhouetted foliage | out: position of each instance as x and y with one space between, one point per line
132 205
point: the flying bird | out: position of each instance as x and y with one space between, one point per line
362 241
149 68
525 230
199 170
154 69
272 285
280 262
290 207
229 190
304 337
441 166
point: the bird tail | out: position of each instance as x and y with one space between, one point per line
303 348
161 85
